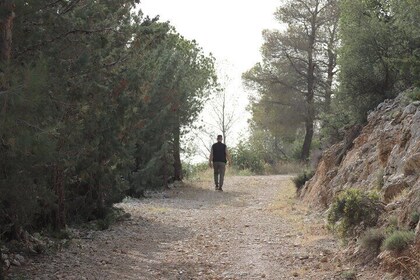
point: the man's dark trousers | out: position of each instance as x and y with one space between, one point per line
219 173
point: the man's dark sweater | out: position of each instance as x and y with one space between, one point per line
219 152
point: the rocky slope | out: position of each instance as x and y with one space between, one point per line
383 155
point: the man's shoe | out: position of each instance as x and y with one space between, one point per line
220 189
216 188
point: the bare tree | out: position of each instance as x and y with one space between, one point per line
219 115
224 116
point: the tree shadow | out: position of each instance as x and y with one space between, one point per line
137 248
202 196
131 249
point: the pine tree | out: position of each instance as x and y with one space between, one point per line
91 93
295 76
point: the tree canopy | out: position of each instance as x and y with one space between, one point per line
94 97
294 79
379 53
333 62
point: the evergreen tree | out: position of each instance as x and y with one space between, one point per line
379 56
89 97
296 76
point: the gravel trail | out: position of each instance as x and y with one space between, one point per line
255 229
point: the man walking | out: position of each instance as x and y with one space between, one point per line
218 158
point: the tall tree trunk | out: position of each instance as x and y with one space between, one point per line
309 133
332 61
310 117
60 215
330 77
177 153
310 106
165 169
6 26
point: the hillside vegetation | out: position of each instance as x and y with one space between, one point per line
372 188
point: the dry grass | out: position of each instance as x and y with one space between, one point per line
280 168
286 203
285 167
207 174
295 213
401 196
406 263
158 210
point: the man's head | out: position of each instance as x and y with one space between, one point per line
219 138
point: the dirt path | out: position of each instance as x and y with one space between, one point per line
253 230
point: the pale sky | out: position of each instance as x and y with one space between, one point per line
230 30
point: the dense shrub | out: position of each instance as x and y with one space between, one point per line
92 116
399 240
392 225
414 94
414 220
354 210
349 275
301 179
192 170
372 239
244 157
112 216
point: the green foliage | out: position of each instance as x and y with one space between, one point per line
372 239
414 219
270 147
244 172
353 208
93 103
301 179
399 240
295 77
246 158
192 170
379 56
392 224
365 32
112 216
406 19
60 234
349 275
334 121
414 94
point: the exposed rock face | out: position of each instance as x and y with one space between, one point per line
385 156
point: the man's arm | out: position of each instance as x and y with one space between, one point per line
211 158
